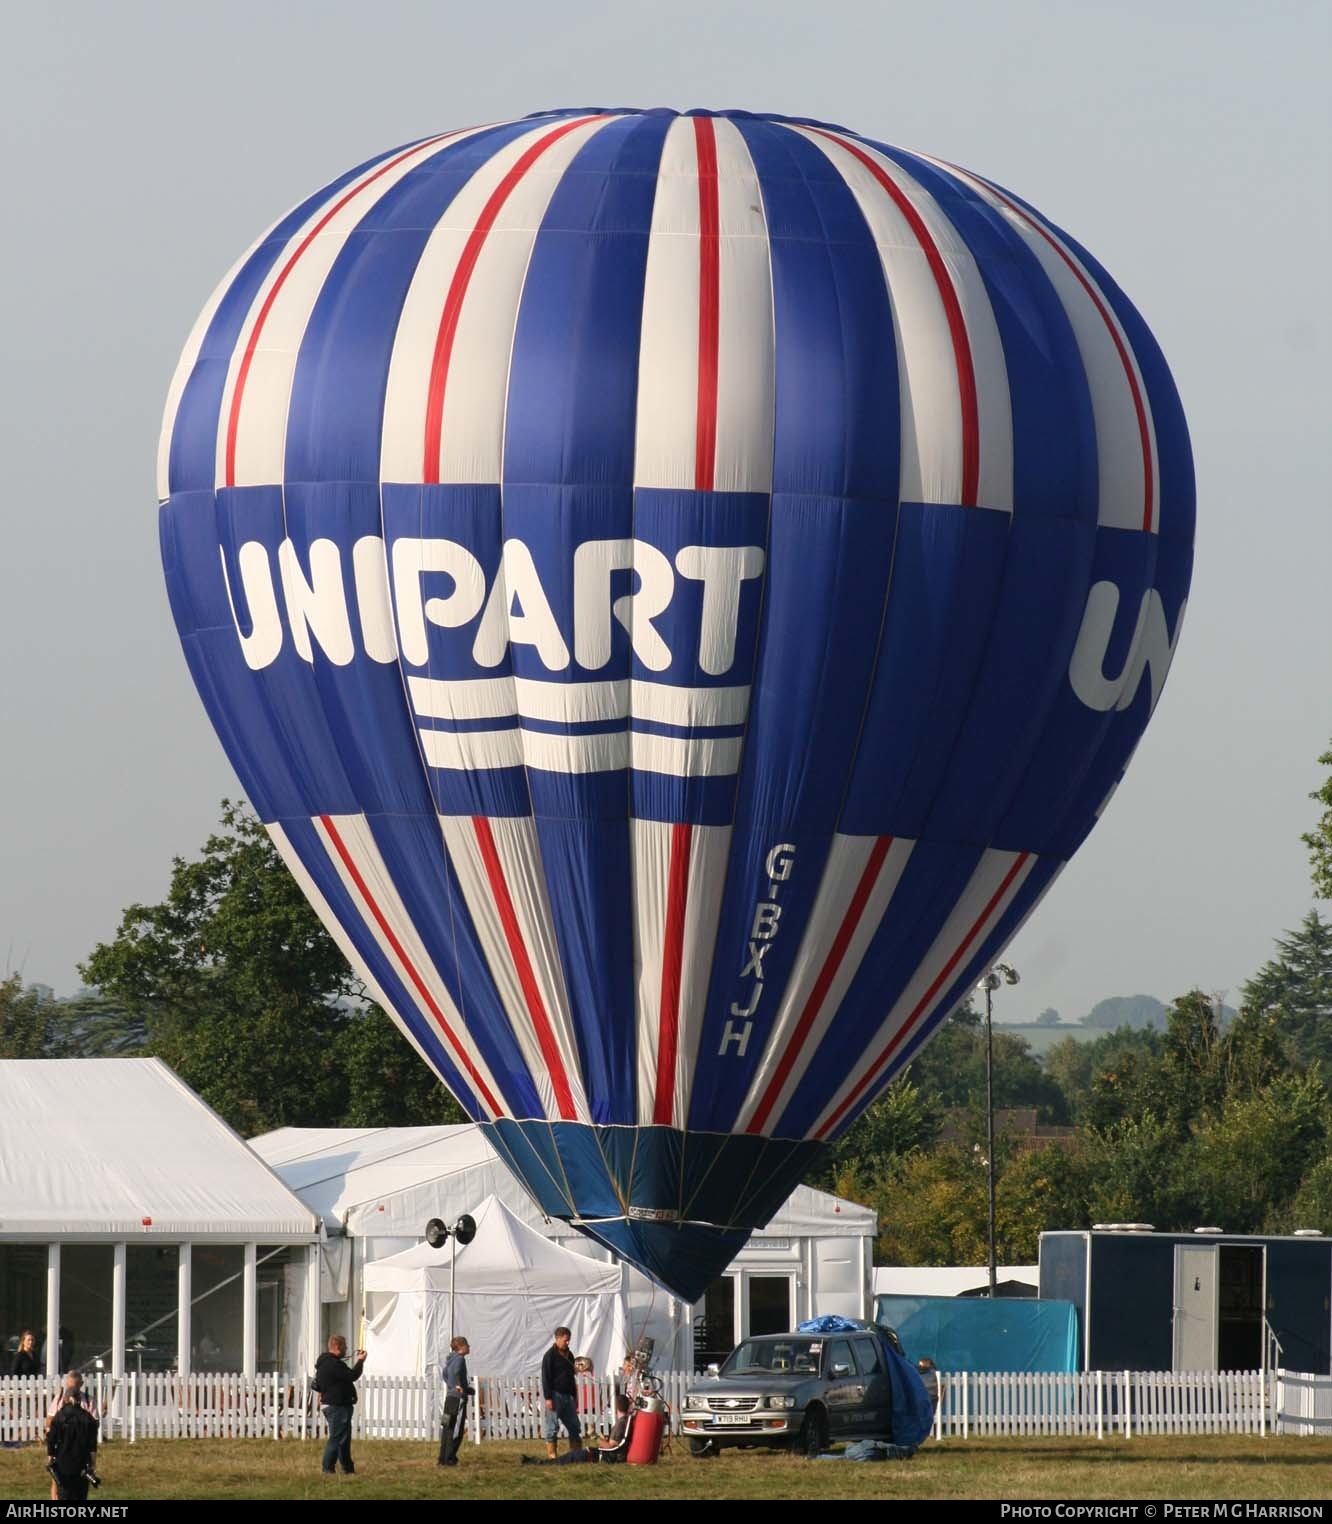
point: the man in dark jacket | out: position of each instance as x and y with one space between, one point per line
335 1381
457 1390
560 1390
71 1445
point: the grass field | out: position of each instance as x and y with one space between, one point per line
1180 1469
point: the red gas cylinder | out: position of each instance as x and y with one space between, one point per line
645 1432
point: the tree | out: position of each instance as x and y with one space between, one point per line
1253 1153
950 1070
1189 1070
24 1020
1130 1171
1049 1017
1296 986
931 1206
387 1083
1039 1191
1319 840
898 1123
89 1025
1310 1206
242 991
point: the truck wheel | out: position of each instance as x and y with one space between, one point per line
703 1449
812 1438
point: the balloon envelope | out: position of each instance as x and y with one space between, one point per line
677 590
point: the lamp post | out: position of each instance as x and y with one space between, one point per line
462 1232
1001 973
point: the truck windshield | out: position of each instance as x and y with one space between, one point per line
780 1356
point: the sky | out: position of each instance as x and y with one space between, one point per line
1185 144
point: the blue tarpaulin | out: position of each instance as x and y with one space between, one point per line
976 1334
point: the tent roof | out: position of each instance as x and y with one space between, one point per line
390 1180
387 1180
506 1256
123 1146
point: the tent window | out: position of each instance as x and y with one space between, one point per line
279 1293
22 1298
151 1306
217 1322
85 1305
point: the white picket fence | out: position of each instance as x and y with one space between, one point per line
1102 1404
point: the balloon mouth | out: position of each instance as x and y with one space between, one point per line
677 1205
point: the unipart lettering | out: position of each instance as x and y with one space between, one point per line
425 584
1151 650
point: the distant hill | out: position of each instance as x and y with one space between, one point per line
1042 1038
1108 1015
1135 1011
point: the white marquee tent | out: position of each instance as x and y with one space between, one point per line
135 1222
512 1288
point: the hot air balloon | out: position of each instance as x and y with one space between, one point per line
677 589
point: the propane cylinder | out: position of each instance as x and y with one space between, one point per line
645 1435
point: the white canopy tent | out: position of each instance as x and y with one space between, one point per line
513 1288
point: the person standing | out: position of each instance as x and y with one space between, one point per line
933 1382
71 1448
25 1359
335 1381
559 1387
457 1390
73 1390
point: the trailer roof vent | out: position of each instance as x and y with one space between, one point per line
1104 1227
1139 1227
1308 1232
1209 1230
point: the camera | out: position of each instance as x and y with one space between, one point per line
88 1474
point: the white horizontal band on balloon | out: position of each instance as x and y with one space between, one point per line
485 698
676 756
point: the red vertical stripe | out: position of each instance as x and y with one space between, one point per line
347 861
1139 406
523 965
705 460
957 328
668 1039
922 1005
823 983
242 375
709 303
462 275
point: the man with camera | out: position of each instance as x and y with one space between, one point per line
71 1448
335 1381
